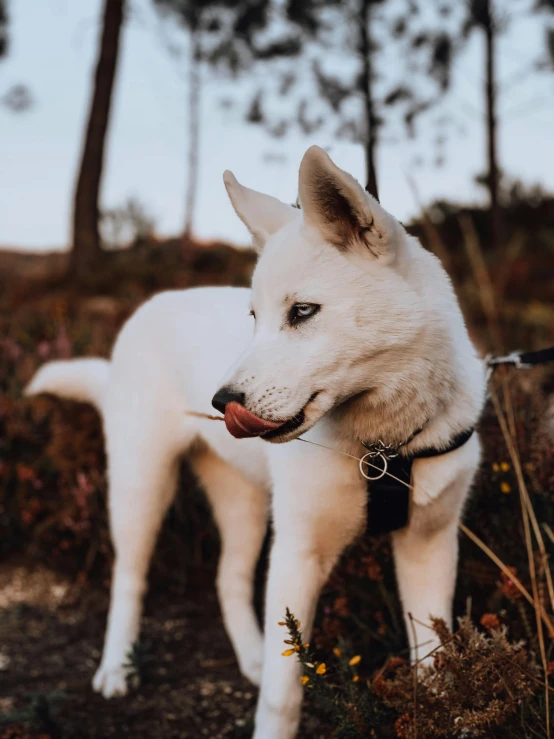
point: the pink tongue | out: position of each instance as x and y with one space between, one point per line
242 424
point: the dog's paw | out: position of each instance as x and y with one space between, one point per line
111 681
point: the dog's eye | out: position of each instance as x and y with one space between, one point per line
302 311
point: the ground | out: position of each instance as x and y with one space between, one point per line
51 638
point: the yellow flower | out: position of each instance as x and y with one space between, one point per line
504 466
304 679
495 467
505 487
355 678
281 623
288 652
306 645
355 660
321 669
337 652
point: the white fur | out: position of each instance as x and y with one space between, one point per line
388 352
80 379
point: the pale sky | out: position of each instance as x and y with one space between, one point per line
53 46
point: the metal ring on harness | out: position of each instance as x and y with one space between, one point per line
372 455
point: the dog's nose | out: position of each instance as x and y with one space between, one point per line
226 395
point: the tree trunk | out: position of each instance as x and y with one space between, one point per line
366 51
3 28
194 131
491 122
86 238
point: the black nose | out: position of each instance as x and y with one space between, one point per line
226 395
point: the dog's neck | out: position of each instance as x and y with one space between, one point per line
439 393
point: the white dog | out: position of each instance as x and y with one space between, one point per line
354 336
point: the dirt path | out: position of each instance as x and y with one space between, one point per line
50 641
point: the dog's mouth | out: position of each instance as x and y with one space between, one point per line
242 423
288 428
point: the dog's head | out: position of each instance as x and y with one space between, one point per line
331 297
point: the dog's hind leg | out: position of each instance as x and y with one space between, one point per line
240 511
142 479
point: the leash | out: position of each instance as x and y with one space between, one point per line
520 360
523 360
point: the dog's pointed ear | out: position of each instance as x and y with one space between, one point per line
344 214
262 214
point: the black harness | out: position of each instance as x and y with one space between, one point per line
389 498
388 507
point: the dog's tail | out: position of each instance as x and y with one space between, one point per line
77 379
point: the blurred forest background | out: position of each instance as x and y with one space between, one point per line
363 78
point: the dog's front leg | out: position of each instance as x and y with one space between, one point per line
426 574
295 579
426 551
318 509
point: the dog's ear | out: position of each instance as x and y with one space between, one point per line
343 213
261 214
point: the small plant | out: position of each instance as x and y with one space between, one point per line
478 685
336 686
138 660
478 682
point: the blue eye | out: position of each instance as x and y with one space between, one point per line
302 311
